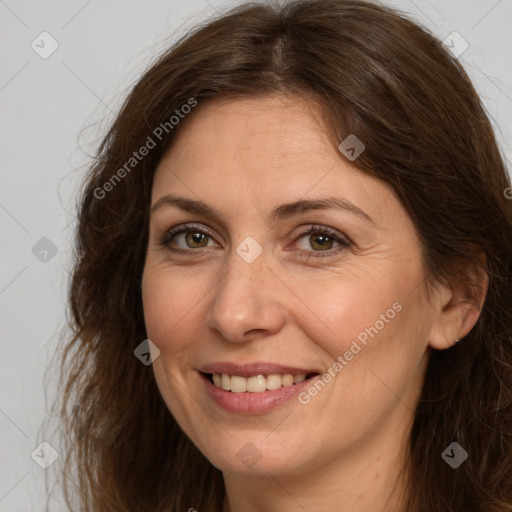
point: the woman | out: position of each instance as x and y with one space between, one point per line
292 287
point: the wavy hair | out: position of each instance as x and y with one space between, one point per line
376 74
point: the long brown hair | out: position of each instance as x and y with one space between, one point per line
375 74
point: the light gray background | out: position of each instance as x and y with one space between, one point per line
53 112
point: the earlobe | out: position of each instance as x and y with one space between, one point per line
459 306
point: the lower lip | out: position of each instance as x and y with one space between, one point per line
253 403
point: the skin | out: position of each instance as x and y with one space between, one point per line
345 449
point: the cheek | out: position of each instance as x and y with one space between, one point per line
380 354
372 320
170 306
346 306
170 315
157 303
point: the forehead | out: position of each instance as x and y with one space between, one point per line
278 128
262 150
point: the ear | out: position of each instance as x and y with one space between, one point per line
458 304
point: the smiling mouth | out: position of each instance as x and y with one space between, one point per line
256 383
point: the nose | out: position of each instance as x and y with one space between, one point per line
246 301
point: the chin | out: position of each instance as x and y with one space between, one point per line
254 455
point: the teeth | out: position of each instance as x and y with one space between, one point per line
225 382
274 381
287 380
238 384
257 383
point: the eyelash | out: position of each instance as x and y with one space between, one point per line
342 240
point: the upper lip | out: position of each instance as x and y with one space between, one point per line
252 369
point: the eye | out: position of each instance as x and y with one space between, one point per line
321 240
187 237
318 241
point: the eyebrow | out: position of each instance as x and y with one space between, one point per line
283 211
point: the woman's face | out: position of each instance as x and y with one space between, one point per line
285 260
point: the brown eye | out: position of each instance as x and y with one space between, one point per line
185 238
321 242
195 239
